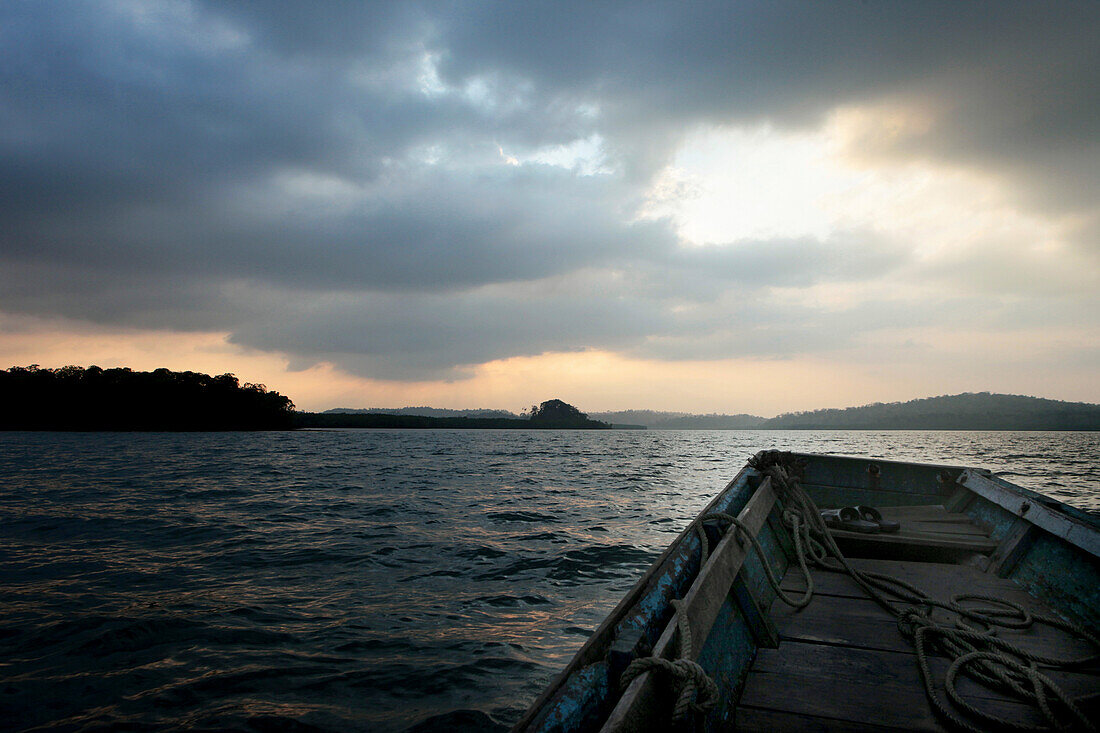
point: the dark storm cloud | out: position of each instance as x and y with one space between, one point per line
325 180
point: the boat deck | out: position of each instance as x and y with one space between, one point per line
842 664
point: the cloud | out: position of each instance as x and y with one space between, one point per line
409 190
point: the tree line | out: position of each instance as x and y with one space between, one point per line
75 398
549 415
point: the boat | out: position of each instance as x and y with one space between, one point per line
980 612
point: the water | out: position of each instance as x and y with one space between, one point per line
363 580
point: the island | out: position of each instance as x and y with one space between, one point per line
74 398
550 415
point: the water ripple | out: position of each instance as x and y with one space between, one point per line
363 580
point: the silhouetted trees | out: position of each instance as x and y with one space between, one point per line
558 414
967 411
74 398
550 415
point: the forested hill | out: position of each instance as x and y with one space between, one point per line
552 415
74 398
423 412
680 420
969 411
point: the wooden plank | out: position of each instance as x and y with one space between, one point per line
958 500
1038 510
876 687
940 580
1065 577
760 624
903 476
558 700
1012 548
944 528
931 518
889 702
759 720
860 666
637 709
928 512
836 496
863 623
958 543
782 534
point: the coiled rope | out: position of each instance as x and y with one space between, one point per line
978 653
684 672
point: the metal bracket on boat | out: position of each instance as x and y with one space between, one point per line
874 476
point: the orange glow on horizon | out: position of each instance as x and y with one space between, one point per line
593 380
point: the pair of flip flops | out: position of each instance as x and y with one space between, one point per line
861 518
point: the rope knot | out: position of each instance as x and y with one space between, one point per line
909 619
697 691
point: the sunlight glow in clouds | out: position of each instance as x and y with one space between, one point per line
727 184
681 206
736 183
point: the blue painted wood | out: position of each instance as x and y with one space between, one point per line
763 630
753 572
852 473
650 613
654 609
775 523
726 656
997 520
1064 577
828 497
577 706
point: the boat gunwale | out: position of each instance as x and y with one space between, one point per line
1002 496
592 649
1039 510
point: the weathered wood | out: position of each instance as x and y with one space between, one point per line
941 580
1055 560
1064 576
848 472
937 540
932 518
870 687
944 528
926 512
958 500
863 623
1012 548
837 496
782 534
1035 509
636 709
891 702
760 624
759 720
860 666
562 699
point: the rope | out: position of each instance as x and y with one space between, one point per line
980 654
685 673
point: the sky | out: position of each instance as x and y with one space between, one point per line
709 207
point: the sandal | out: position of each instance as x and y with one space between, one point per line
870 514
848 518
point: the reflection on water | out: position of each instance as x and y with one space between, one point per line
363 580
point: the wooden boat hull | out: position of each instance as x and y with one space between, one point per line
951 515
